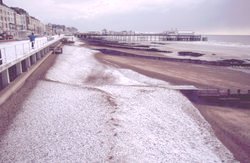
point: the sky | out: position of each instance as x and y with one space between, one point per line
201 16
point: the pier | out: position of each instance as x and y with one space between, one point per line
134 37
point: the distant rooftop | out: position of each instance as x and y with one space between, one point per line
20 11
1 3
34 18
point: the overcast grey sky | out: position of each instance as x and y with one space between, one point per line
202 16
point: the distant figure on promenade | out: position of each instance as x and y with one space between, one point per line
32 38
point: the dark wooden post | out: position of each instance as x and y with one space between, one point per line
238 91
1 59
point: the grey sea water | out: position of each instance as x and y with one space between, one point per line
218 47
229 39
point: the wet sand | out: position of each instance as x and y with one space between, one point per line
202 76
230 124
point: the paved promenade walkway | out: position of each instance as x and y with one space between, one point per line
11 51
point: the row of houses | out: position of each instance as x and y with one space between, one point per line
16 23
58 29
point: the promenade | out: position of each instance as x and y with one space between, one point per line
12 51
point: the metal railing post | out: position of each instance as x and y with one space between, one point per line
23 49
5 57
29 46
15 52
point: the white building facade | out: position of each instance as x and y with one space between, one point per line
7 20
36 26
15 22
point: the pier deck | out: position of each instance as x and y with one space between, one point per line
144 37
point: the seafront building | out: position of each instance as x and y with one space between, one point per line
36 26
7 19
70 30
52 29
16 23
21 22
20 19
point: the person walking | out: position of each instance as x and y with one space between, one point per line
32 38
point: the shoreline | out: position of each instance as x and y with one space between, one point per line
234 135
168 52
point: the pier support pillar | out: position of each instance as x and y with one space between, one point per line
27 62
24 67
18 68
38 55
33 59
5 78
43 52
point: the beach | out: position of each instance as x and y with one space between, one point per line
123 81
98 112
230 123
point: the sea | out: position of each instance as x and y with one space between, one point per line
218 47
237 40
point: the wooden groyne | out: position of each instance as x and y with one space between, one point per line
219 97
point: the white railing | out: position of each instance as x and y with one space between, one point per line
13 51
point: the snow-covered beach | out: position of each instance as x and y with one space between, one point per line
86 111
